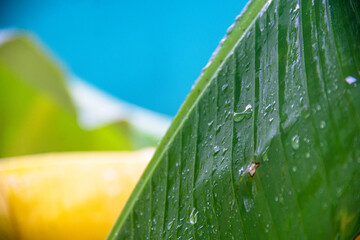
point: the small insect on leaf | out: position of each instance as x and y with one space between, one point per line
252 168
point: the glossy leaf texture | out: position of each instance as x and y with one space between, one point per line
280 101
37 113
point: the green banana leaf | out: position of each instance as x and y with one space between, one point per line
37 113
267 144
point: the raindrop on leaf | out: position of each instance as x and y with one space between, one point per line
247 113
295 142
193 216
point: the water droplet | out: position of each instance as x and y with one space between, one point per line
241 171
193 216
224 86
307 155
216 149
276 199
269 108
294 169
318 107
295 142
210 123
247 113
322 124
350 80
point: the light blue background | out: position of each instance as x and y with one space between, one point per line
148 53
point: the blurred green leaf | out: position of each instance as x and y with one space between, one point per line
37 113
267 144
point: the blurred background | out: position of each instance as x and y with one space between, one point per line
100 75
148 53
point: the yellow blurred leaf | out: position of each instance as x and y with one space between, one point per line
66 195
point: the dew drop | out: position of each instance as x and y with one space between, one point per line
269 108
247 113
295 143
218 128
170 224
193 216
224 86
294 169
350 80
307 155
322 124
318 107
241 171
216 149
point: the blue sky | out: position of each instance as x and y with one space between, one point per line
148 53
